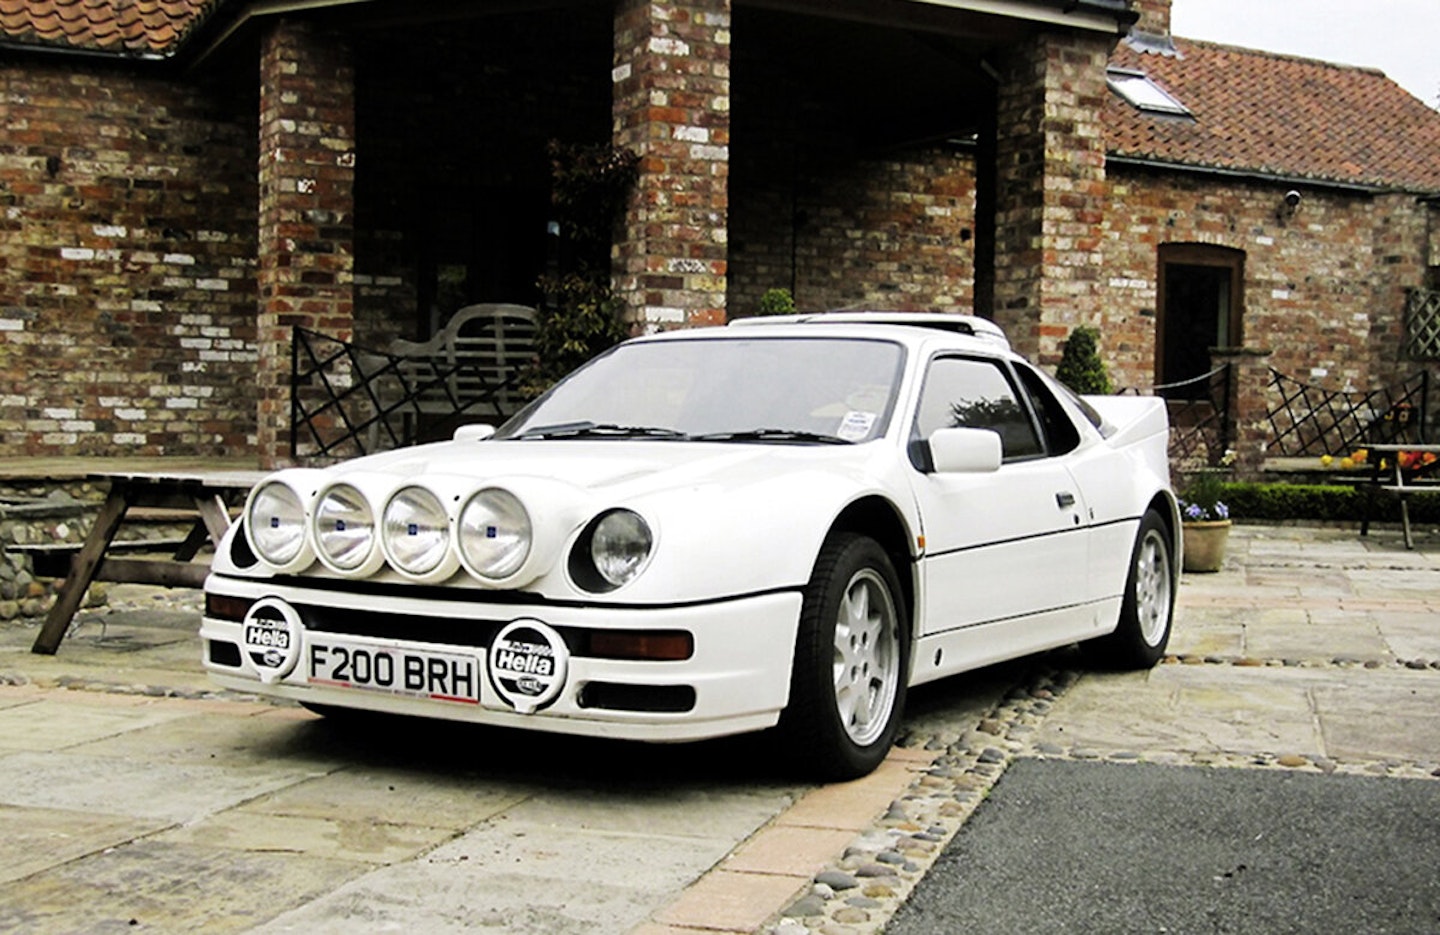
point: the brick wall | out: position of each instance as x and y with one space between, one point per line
895 233
829 195
1323 287
128 279
126 266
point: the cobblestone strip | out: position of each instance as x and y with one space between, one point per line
1334 662
859 893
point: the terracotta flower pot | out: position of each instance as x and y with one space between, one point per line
1205 544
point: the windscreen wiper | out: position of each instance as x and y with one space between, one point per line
773 435
600 430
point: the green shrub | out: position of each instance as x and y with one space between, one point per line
777 302
1322 503
1080 367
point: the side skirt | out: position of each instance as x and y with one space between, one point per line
953 651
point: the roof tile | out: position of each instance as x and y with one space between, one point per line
1278 115
144 26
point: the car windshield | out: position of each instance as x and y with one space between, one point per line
780 390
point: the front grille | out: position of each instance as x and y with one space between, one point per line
455 631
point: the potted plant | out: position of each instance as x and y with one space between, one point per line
1205 522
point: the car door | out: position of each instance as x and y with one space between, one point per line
1005 548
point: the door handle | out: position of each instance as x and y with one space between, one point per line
1064 499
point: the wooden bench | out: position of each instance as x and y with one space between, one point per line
471 366
476 356
207 497
53 559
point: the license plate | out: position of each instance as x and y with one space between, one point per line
395 669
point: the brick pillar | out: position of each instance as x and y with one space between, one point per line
1247 425
1050 191
672 106
307 209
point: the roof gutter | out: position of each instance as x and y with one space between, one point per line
1353 188
93 55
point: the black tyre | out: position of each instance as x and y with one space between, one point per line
852 655
1148 608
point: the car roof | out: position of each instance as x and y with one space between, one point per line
969 325
921 340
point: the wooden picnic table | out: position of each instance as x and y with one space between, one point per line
206 495
1401 481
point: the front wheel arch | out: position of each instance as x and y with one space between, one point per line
878 518
852 658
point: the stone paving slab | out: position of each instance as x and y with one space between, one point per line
151 886
38 838
1198 711
167 792
45 724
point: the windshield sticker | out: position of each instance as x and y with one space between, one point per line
856 426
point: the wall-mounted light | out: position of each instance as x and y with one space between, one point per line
1288 205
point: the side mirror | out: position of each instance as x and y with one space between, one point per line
473 433
965 451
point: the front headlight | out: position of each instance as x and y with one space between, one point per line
620 546
275 522
495 534
416 532
344 528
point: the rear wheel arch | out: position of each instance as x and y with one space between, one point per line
1147 610
1165 504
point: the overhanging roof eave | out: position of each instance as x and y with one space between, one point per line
1111 17
1257 175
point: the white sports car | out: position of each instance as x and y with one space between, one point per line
781 523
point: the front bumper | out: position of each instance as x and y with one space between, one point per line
735 680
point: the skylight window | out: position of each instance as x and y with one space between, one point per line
1142 93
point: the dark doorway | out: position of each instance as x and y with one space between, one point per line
1200 308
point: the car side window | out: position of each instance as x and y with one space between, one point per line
964 392
1060 431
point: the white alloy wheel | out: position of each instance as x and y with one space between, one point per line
867 657
1148 605
1153 595
848 680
